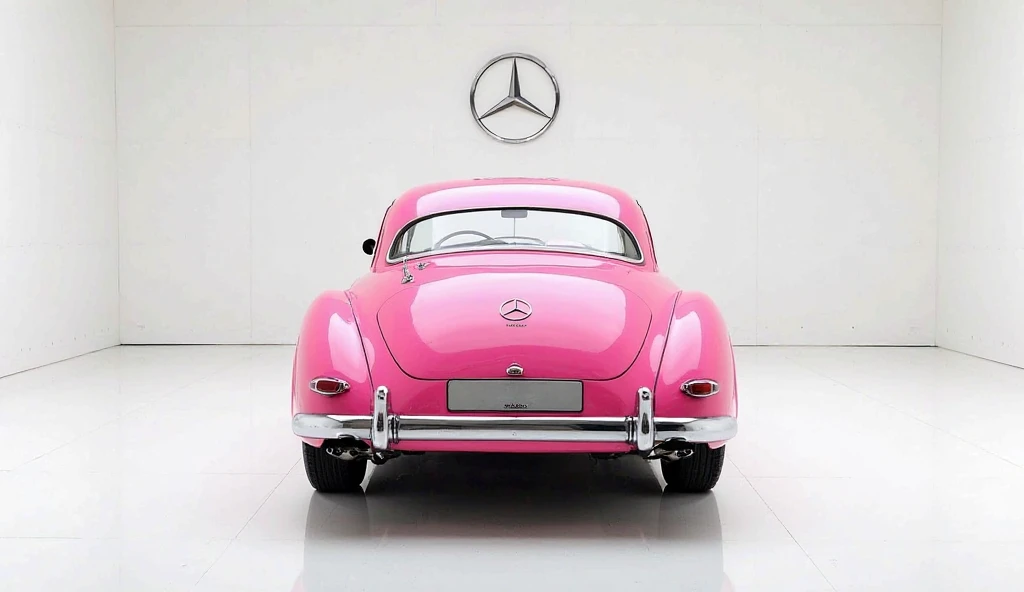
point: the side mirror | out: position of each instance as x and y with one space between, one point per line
368 246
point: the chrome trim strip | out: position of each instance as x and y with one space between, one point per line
533 248
704 429
513 429
510 429
332 427
632 235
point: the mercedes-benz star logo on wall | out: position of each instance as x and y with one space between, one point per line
529 107
515 310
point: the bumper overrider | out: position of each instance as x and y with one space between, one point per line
650 435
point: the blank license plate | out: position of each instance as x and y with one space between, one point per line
515 395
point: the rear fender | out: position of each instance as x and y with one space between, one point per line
330 345
697 346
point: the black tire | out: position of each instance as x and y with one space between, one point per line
696 473
328 474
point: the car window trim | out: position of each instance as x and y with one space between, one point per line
390 258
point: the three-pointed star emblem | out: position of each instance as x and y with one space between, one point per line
515 98
515 310
541 89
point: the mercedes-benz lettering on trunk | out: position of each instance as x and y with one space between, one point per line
513 315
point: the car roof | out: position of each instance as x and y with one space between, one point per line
561 194
477 193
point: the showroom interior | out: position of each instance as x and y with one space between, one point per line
180 179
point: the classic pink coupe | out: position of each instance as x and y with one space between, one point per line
513 315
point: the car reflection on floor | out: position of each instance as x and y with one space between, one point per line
509 522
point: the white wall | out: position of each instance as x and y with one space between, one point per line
58 199
981 204
786 150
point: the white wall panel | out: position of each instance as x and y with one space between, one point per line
665 12
354 82
504 12
206 301
842 83
182 82
185 241
58 199
13 62
722 118
662 82
852 12
341 12
846 243
981 201
68 68
183 132
847 185
154 13
460 158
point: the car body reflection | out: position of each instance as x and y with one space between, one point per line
497 522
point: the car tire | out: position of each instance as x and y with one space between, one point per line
328 474
696 473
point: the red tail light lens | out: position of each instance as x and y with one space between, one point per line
700 388
328 386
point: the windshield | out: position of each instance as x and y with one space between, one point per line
516 228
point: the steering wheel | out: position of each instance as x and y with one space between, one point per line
458 232
526 238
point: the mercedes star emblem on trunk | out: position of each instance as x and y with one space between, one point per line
515 310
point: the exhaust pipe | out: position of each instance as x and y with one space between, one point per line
672 450
348 449
351 449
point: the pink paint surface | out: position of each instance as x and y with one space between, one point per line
614 324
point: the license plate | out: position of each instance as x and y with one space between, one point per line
515 395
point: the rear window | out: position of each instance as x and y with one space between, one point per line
515 228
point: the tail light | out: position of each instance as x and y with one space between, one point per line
700 388
327 386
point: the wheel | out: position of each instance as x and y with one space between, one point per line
696 473
332 475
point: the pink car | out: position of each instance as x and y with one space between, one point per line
513 315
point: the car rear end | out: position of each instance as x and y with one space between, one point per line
505 359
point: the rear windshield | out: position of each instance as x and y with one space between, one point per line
515 229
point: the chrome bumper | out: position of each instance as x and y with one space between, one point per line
642 430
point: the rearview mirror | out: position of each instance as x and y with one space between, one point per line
519 214
368 246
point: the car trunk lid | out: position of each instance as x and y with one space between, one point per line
478 325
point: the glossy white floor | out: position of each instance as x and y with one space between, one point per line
172 468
